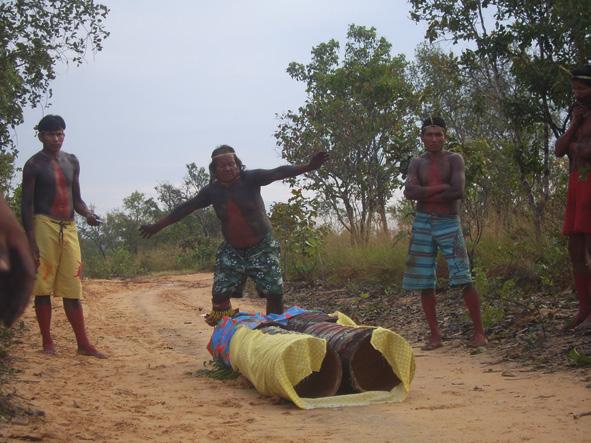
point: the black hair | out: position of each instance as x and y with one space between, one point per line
582 74
220 150
51 123
432 121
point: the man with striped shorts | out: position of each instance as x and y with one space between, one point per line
436 181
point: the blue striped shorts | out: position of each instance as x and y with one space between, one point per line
431 233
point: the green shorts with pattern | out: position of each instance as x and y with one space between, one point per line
260 262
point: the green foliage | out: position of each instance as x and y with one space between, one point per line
515 66
359 109
34 36
380 261
492 292
294 227
578 359
216 370
116 248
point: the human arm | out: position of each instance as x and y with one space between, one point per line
27 210
579 114
201 200
457 182
79 206
414 190
17 267
266 176
583 149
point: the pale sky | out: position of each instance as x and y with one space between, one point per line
176 79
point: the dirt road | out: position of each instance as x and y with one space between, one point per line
155 338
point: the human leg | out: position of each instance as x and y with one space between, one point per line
43 314
472 302
419 274
450 239
275 304
585 325
582 277
228 282
75 316
263 266
47 238
428 302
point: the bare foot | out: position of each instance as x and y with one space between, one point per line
585 325
91 352
49 348
432 343
477 341
577 321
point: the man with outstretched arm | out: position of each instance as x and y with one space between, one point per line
436 181
249 249
576 143
51 195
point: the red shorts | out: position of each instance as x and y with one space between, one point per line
577 217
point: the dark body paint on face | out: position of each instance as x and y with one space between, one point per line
53 184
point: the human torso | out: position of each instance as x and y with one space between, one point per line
436 170
582 139
241 210
53 185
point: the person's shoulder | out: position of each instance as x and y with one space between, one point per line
455 156
34 160
69 156
250 175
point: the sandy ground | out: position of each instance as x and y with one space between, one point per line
155 337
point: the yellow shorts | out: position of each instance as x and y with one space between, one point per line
60 261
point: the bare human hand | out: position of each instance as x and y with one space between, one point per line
579 113
93 220
148 231
318 160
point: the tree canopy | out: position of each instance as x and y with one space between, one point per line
36 35
358 108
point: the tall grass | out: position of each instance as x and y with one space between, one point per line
505 252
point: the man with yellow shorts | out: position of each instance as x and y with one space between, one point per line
51 196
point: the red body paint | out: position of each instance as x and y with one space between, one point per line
434 178
60 207
238 231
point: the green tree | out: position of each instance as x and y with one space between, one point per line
358 108
516 50
294 225
35 35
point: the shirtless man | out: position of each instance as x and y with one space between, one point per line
576 143
51 194
17 269
249 249
436 181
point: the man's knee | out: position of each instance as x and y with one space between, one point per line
427 293
42 300
71 301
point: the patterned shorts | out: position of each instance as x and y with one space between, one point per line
260 262
431 233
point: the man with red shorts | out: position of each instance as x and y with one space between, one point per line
576 144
